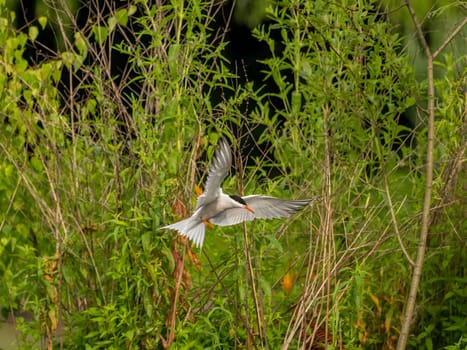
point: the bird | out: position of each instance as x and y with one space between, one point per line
214 207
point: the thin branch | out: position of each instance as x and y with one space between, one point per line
417 272
41 203
328 223
251 272
10 203
258 310
419 30
179 257
450 37
394 222
178 274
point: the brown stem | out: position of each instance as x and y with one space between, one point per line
394 221
258 310
426 215
417 271
179 267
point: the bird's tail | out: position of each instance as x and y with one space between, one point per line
191 228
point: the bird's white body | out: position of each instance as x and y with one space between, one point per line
216 207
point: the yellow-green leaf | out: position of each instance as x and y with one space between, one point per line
122 17
81 44
132 9
42 21
112 22
100 33
33 32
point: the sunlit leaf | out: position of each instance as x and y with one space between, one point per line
33 32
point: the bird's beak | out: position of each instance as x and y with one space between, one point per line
248 208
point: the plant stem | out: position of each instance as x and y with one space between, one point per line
417 271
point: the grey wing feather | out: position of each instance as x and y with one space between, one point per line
264 207
232 216
219 169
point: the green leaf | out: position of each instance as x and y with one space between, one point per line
67 58
72 59
33 32
112 22
37 164
132 10
305 70
100 34
42 21
296 102
122 17
3 23
146 241
174 57
80 44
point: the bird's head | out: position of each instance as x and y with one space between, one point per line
241 202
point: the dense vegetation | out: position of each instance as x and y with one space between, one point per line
94 160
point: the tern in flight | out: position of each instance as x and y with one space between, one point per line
216 207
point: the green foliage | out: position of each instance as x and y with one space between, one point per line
89 175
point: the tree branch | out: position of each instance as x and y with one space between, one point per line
417 272
450 37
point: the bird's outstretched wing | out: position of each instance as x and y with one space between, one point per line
219 169
264 207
